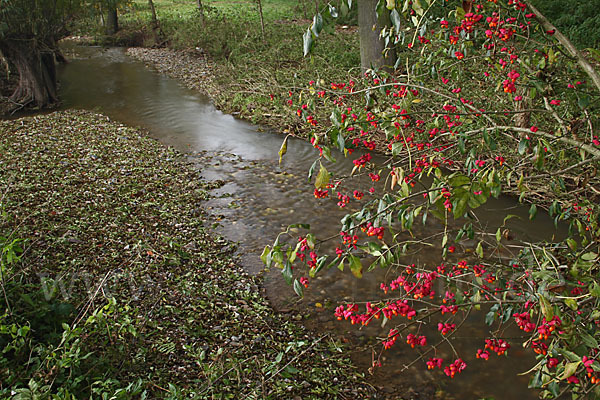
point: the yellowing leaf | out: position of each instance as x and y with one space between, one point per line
356 266
283 149
323 178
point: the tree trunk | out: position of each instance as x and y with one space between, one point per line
201 10
262 21
37 73
371 45
112 20
154 24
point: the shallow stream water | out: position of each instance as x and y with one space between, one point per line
261 197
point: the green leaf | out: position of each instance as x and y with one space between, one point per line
459 181
547 309
344 9
417 7
265 254
396 20
336 118
523 145
310 240
595 53
341 142
572 244
317 25
311 171
332 11
397 148
287 272
589 340
490 317
569 370
595 289
532 211
540 156
461 206
323 178
479 250
571 303
355 266
374 249
298 288
308 42
327 154
321 261
584 101
569 355
283 149
460 13
380 7
590 256
404 188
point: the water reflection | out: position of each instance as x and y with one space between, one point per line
260 198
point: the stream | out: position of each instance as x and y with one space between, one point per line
260 198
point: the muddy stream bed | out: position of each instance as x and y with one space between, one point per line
260 198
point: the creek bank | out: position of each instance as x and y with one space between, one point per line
103 205
197 71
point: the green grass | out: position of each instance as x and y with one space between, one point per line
250 67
